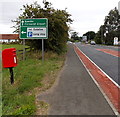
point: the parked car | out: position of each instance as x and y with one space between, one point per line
69 42
92 43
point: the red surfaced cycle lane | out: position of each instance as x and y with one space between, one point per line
111 52
110 89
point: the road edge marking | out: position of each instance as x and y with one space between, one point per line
101 90
99 68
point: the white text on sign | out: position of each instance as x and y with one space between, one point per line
36 32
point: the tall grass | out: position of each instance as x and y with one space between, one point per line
19 98
17 46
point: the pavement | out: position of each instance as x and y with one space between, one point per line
74 92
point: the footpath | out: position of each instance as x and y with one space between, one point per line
75 93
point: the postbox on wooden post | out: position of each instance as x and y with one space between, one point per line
9 60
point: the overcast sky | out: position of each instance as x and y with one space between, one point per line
88 15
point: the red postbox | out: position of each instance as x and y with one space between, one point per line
9 58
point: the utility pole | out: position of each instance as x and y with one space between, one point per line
102 33
89 35
119 7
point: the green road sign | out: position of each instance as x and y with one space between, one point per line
34 28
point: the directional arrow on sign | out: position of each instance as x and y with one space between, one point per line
23 32
34 28
22 22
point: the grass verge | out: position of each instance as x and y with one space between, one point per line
17 46
20 98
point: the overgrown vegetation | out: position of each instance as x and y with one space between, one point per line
58 25
19 98
17 46
90 35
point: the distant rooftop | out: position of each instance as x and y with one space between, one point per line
9 36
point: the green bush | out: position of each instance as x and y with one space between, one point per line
98 40
58 28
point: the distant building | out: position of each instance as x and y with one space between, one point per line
84 38
9 37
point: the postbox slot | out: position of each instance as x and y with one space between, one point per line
14 51
15 61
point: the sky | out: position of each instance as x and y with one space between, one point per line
87 15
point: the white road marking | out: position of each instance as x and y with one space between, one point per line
101 70
105 96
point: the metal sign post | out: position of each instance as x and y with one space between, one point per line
23 49
42 50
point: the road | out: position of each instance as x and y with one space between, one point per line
107 62
75 93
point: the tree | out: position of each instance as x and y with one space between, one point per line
111 27
90 35
57 26
99 38
112 21
74 36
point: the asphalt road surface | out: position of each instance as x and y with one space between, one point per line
75 93
108 63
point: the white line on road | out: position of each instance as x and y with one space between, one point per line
105 96
101 70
